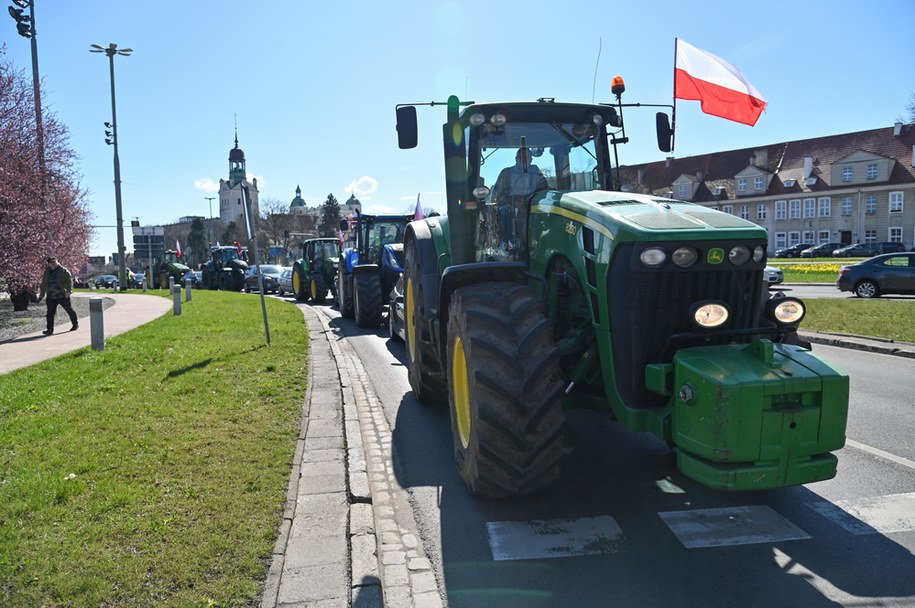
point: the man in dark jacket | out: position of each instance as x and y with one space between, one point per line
57 284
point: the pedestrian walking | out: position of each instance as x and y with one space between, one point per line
57 284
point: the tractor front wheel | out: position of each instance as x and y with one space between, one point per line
318 288
504 390
367 305
299 283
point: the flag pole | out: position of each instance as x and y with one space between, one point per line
673 118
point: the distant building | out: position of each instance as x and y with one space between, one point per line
298 206
847 188
231 208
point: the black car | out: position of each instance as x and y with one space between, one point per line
792 252
858 250
890 247
823 250
884 274
270 274
106 281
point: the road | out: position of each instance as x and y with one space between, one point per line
828 290
625 528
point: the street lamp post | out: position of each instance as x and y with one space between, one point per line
210 219
111 51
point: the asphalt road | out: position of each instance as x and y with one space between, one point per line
625 528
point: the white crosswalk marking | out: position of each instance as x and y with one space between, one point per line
882 514
548 538
730 526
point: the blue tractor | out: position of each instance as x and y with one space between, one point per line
371 262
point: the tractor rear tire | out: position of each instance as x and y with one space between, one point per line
367 303
317 288
344 296
504 390
299 283
428 387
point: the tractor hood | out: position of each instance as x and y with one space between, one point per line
643 216
179 267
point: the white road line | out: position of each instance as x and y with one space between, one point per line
878 515
548 538
730 526
878 452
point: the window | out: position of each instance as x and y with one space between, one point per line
761 211
780 241
870 236
683 191
846 205
870 204
728 209
808 236
810 207
759 183
822 237
780 210
741 185
896 200
794 238
872 171
794 209
848 174
825 206
895 234
744 212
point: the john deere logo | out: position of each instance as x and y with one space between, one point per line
571 229
715 255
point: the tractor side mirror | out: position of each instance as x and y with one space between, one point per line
406 127
662 124
344 225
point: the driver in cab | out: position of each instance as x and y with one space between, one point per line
512 190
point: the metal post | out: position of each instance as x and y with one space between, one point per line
176 298
97 323
122 262
187 291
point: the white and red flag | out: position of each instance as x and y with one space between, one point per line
418 214
720 87
177 249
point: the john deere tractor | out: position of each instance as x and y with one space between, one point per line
369 268
161 270
226 268
316 271
546 289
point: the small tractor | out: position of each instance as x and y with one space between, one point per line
161 270
369 269
548 289
226 268
316 272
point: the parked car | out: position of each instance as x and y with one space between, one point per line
106 281
823 250
136 280
270 274
858 250
792 252
195 277
890 273
285 282
773 275
890 247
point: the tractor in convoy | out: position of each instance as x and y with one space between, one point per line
161 270
546 288
226 268
316 272
369 268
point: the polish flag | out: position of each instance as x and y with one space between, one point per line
178 248
720 87
418 214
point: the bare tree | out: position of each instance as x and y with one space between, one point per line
910 110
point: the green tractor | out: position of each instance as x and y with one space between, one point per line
546 289
161 270
226 268
316 272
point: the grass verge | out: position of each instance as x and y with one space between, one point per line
888 319
152 473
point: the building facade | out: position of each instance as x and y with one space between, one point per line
850 188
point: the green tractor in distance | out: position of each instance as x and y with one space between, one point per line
546 289
316 272
226 268
161 270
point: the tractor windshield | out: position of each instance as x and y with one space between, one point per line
381 233
329 250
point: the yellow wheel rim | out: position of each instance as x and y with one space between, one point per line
314 289
461 386
296 283
408 322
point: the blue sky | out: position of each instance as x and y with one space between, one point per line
314 84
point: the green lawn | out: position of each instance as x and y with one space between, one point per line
152 473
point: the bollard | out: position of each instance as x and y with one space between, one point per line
144 284
171 282
187 291
176 296
97 323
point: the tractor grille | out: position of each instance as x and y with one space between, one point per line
650 316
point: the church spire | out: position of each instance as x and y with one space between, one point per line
237 171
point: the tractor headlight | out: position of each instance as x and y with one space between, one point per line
684 257
653 256
758 254
785 310
498 119
480 192
477 119
709 315
739 255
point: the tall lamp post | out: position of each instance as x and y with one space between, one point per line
112 139
210 220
